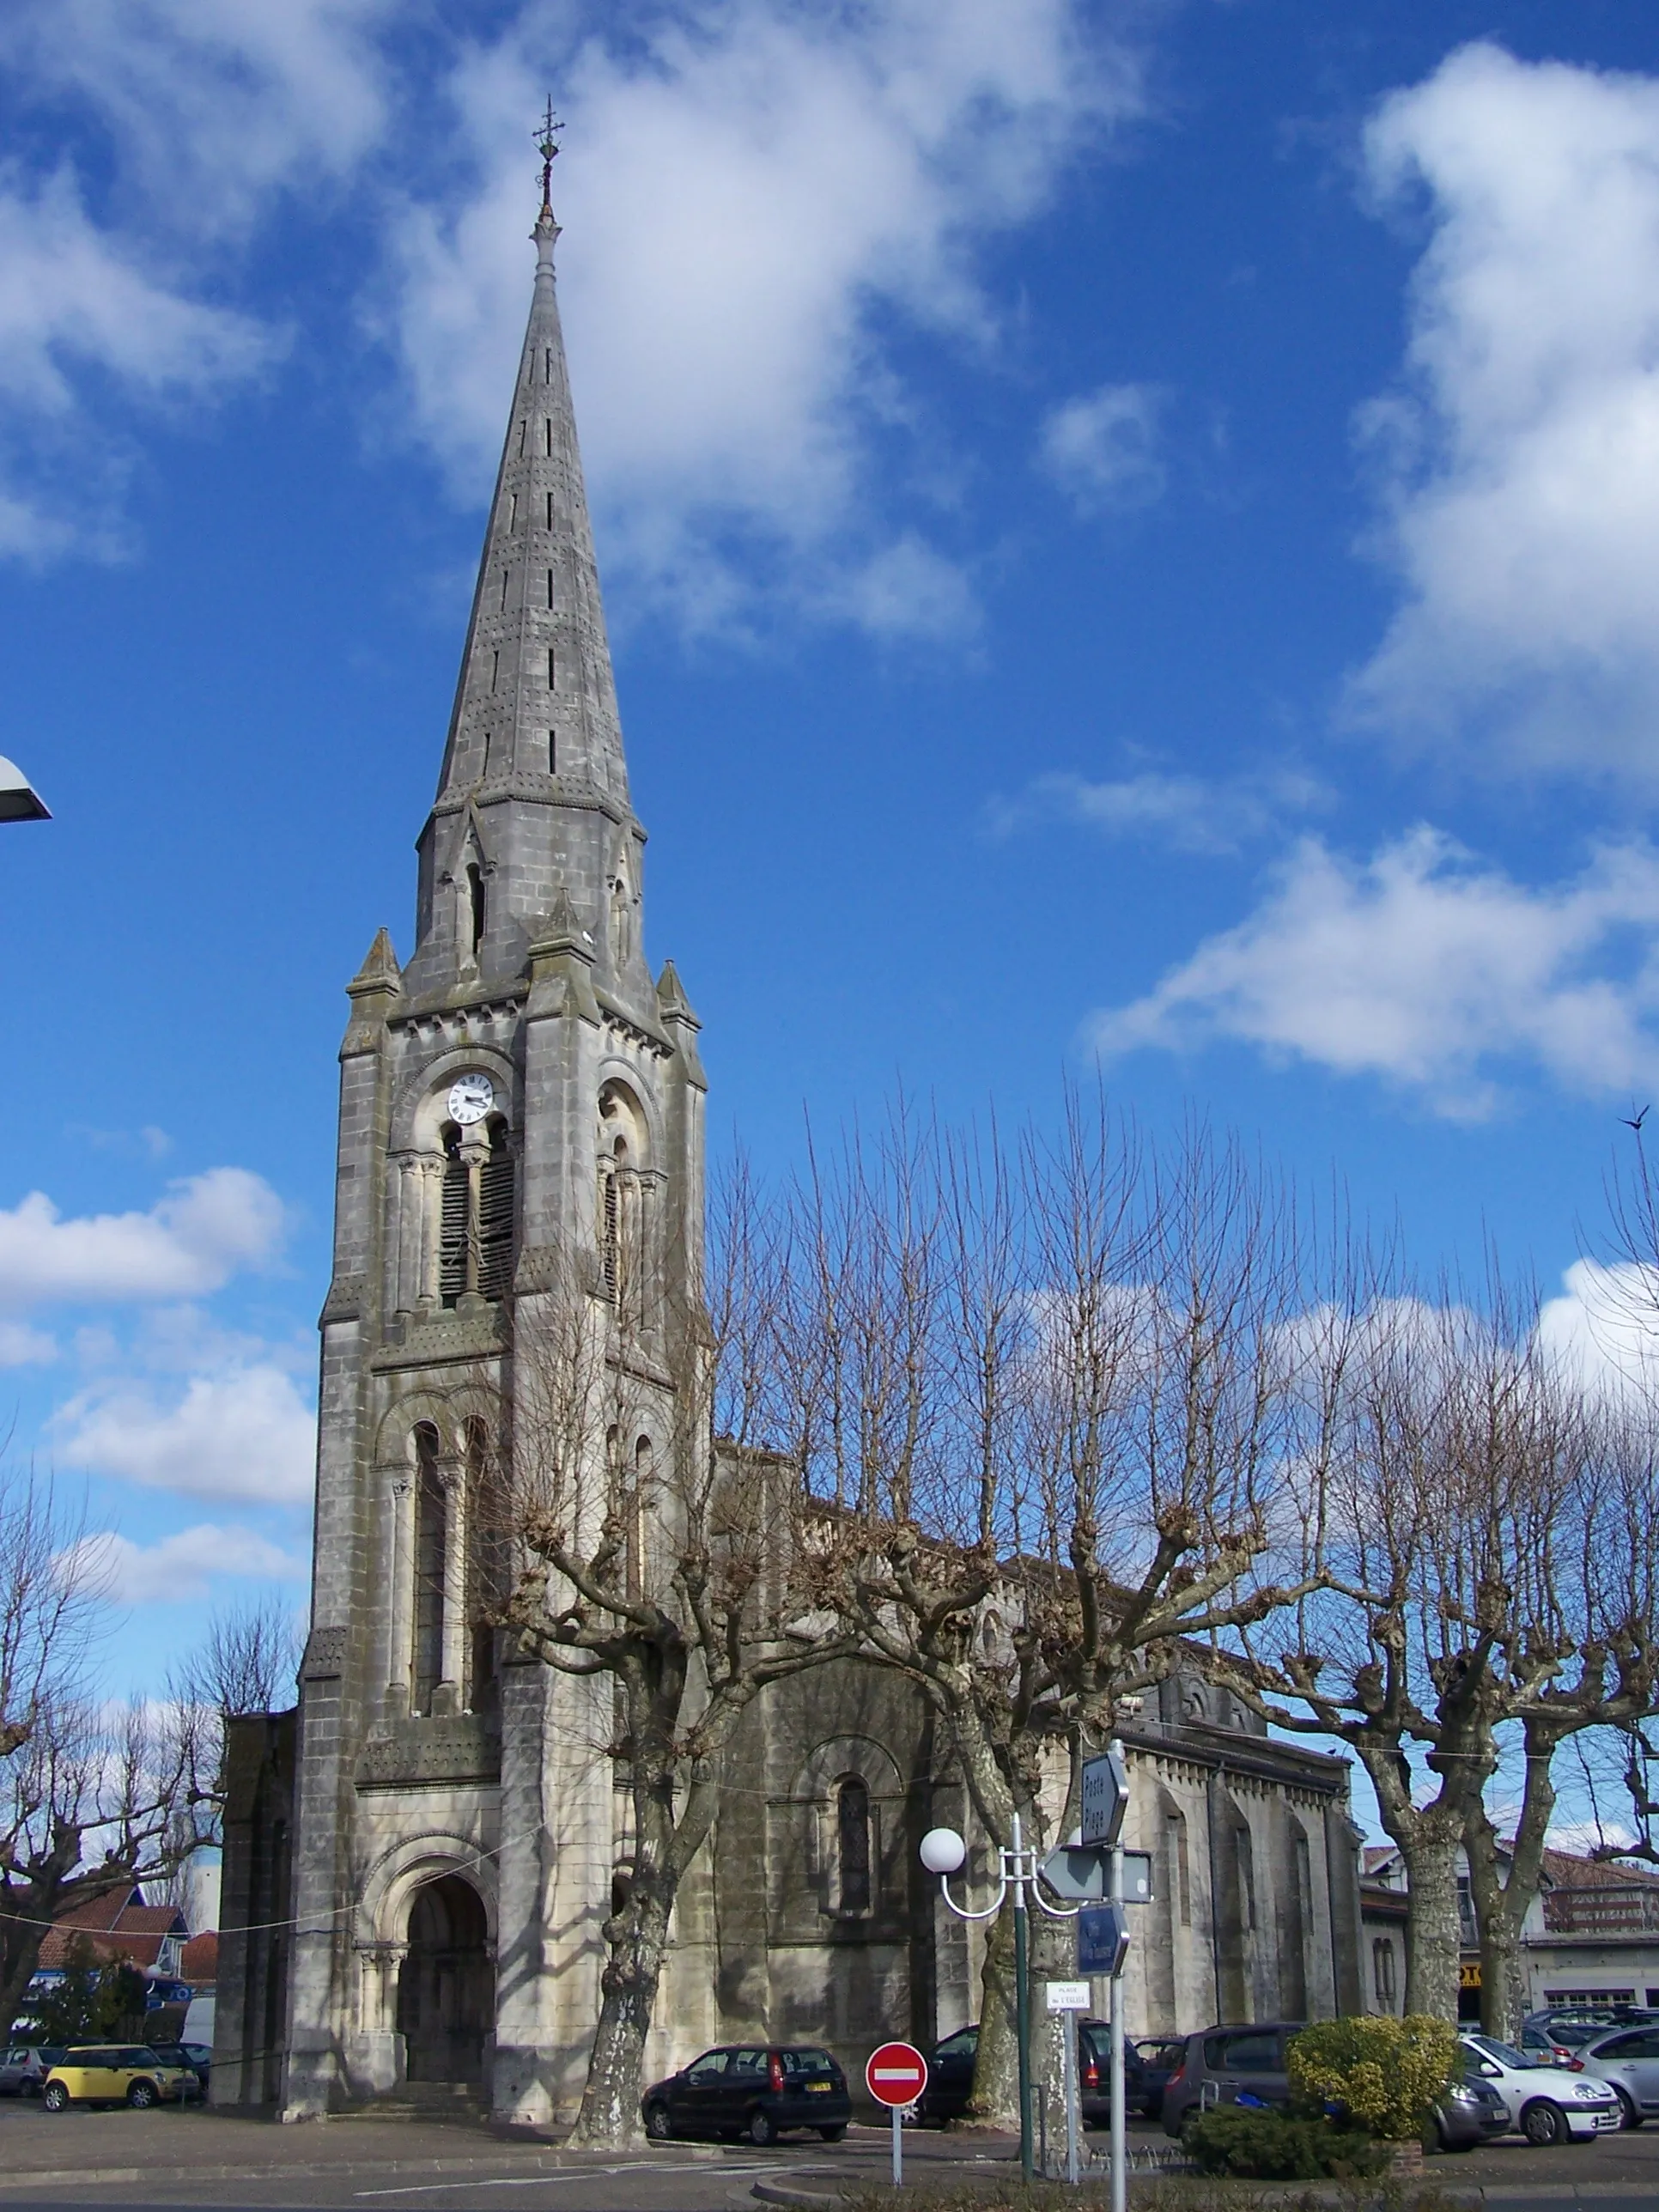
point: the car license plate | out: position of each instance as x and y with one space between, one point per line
819 2089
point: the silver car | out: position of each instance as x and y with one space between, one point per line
1548 2104
1627 2059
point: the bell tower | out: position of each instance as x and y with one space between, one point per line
522 1112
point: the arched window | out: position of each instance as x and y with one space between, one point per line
489 1560
430 1532
475 895
852 1886
1383 1973
620 1226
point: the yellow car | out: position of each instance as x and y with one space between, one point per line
115 2074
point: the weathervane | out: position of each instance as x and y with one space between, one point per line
547 145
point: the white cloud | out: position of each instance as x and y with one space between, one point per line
205 1229
180 1567
74 300
1193 814
1521 456
242 1432
749 190
1421 967
212 104
1604 1328
1102 448
23 1346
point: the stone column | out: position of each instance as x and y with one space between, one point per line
401 1499
411 1227
446 1697
431 1219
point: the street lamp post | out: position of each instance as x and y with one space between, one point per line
19 801
943 1853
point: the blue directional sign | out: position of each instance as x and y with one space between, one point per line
1103 1939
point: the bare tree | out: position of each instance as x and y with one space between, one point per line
89 1805
683 1576
1040 1397
52 1585
1460 1589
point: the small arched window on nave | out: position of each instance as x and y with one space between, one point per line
853 1886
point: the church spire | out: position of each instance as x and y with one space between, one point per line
534 774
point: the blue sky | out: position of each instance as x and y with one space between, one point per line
1126 530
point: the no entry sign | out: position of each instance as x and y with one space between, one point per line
897 2074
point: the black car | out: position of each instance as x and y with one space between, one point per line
1146 2067
753 2089
949 2078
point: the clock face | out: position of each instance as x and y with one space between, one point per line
471 1098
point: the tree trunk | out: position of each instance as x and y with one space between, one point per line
1433 1938
638 1937
996 2064
1428 1838
1501 1907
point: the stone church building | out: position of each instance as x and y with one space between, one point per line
419 1860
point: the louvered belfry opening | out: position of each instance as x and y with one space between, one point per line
476 1232
495 1214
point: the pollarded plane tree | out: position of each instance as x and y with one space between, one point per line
1452 1483
1039 1392
665 1561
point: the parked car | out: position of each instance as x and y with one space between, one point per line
1573 2024
25 2067
1548 2104
753 2089
1230 2066
1627 2060
949 2078
116 2074
1251 2066
198 2056
1543 2048
1147 2064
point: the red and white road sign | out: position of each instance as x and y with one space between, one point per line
897 2074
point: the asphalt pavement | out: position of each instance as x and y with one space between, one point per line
170 2159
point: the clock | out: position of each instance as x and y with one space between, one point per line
471 1098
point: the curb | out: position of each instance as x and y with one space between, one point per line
779 2192
57 2176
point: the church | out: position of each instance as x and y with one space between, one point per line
420 1858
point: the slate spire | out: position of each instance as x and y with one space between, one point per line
533 792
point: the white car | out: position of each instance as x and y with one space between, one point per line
1548 2105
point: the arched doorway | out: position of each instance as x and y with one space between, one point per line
446 1984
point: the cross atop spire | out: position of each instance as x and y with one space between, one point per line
547 145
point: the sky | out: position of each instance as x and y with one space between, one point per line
1131 538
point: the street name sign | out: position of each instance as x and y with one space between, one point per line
1069 1997
1105 1797
1103 1939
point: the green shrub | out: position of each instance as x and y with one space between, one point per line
1383 2074
1269 2146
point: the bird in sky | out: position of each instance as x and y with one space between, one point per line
1637 1123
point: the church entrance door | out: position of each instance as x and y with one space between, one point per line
447 1985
